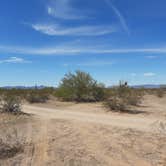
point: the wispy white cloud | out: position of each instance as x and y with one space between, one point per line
151 56
119 15
94 63
63 9
14 60
150 74
57 30
74 50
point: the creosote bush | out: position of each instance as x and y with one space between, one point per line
80 87
123 97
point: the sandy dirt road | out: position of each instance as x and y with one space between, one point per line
122 121
68 137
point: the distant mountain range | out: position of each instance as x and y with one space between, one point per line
147 86
24 87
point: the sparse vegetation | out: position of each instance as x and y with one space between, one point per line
8 150
160 93
16 132
37 97
31 95
122 97
11 140
80 87
10 104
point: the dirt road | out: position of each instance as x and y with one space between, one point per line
122 121
77 137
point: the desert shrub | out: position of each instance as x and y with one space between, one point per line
11 142
24 93
160 92
116 104
134 97
80 87
21 93
9 150
122 97
37 97
11 104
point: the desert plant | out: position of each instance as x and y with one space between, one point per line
80 87
8 151
134 97
11 104
122 97
11 142
23 94
116 104
37 97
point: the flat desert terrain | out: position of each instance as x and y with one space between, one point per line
71 134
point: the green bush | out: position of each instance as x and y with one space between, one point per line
80 87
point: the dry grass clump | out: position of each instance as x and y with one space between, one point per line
10 104
11 142
8 150
12 138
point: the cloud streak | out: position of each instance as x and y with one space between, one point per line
71 50
14 60
57 30
63 9
151 57
94 63
150 74
119 16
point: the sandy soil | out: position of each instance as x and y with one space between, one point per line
68 134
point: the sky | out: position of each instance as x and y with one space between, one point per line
41 40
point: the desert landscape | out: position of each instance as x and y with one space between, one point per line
82 134
82 83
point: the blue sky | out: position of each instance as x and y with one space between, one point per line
41 40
